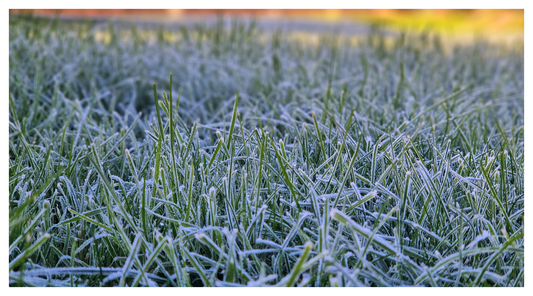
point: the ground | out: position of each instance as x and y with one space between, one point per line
228 154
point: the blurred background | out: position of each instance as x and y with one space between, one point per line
464 24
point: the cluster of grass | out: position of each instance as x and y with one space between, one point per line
263 160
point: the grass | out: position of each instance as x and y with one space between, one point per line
263 159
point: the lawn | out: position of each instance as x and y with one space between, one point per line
224 155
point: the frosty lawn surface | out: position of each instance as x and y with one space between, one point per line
285 160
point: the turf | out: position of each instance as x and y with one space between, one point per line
264 159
